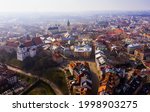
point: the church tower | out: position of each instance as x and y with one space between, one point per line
21 52
68 27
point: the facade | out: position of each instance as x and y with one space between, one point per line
7 79
53 30
23 52
143 54
82 84
132 47
28 48
82 51
66 51
100 57
108 84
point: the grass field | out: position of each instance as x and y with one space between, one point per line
41 89
57 76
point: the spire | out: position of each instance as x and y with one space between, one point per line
68 23
68 27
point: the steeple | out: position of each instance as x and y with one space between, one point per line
68 27
68 23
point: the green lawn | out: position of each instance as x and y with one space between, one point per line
41 89
58 77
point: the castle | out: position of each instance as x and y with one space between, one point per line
28 48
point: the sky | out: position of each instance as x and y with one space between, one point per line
72 5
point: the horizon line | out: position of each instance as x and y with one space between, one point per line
78 11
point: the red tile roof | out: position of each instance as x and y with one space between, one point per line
115 32
37 41
118 31
57 43
28 43
12 44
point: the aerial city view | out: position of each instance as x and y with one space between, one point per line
75 47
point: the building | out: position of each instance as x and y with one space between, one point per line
23 52
68 27
11 45
108 84
132 47
82 83
7 78
3 84
68 40
28 48
100 57
53 30
71 67
82 51
143 54
135 84
66 51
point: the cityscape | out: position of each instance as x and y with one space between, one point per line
71 53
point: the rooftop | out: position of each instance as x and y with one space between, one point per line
82 49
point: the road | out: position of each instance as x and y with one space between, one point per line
96 76
50 83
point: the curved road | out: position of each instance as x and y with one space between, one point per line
51 84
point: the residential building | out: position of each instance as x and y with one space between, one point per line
143 54
82 84
7 78
108 84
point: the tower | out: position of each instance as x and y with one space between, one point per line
21 52
32 51
68 23
68 27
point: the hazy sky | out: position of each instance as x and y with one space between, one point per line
72 5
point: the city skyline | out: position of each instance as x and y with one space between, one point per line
73 5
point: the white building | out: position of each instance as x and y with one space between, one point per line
23 52
83 51
28 48
132 47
